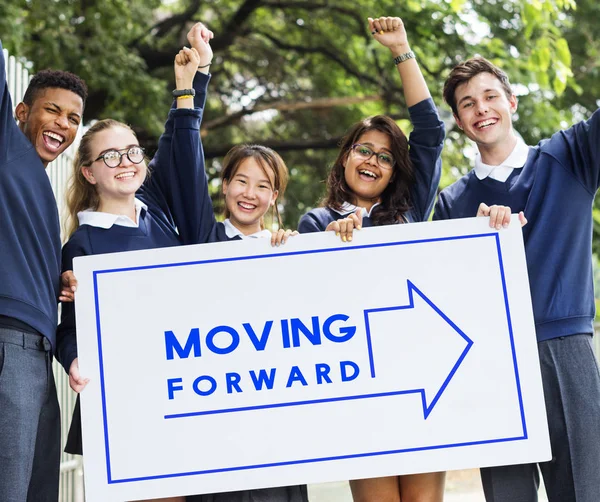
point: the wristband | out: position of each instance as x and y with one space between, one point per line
185 96
184 92
206 65
403 57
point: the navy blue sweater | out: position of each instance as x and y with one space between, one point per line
556 190
29 228
175 194
425 147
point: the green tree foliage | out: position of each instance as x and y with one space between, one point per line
295 74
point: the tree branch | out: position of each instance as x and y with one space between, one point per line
302 49
279 146
310 6
286 106
156 58
163 27
233 28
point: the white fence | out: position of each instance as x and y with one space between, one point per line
71 480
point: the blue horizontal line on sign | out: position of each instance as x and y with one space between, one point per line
293 403
321 459
292 253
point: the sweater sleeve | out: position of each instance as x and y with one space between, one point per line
8 127
425 148
440 212
581 151
66 340
178 178
310 223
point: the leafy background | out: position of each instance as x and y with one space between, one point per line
295 75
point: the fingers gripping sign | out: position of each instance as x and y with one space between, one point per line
499 215
76 381
344 227
483 210
68 286
281 236
522 219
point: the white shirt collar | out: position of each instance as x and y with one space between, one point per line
232 231
351 208
501 172
107 220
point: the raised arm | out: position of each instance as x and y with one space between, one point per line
580 151
426 142
178 166
427 138
390 32
8 128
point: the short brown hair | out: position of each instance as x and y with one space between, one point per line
465 71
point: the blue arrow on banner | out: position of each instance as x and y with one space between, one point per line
435 388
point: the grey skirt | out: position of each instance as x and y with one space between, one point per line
281 494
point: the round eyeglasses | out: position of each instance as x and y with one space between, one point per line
113 158
363 152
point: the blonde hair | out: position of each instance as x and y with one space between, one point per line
267 159
81 194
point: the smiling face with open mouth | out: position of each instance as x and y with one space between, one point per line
248 195
485 113
51 122
120 182
366 177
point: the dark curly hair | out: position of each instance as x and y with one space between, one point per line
47 79
395 199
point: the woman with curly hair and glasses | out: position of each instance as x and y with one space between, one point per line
382 178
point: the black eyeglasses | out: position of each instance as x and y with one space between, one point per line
363 152
113 158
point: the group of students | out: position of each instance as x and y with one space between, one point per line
118 203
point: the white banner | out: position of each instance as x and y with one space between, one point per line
235 365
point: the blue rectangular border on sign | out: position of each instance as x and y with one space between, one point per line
111 480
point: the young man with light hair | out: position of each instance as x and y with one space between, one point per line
554 183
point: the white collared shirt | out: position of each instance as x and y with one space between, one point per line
351 208
107 220
232 231
501 172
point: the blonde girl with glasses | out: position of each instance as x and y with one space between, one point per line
382 178
115 204
118 203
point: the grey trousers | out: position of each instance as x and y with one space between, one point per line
29 419
571 381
